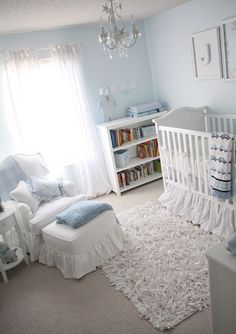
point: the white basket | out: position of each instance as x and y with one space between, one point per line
148 131
121 158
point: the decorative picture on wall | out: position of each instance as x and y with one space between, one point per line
228 31
206 54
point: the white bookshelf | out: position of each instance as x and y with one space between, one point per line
104 130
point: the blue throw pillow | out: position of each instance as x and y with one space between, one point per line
45 189
10 175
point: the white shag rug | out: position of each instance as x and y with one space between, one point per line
163 269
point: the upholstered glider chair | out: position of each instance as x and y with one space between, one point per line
24 183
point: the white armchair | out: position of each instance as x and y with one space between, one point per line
31 223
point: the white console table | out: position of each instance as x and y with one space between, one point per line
222 271
7 222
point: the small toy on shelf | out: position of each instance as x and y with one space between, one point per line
7 255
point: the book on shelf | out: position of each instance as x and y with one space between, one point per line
127 177
122 136
148 149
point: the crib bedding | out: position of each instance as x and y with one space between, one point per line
185 149
182 162
213 216
191 180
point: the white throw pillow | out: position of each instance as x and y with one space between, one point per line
69 188
24 195
33 165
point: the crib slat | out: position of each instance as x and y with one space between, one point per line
204 160
206 123
228 122
218 122
176 156
166 171
170 154
210 124
231 127
214 123
160 145
198 164
179 135
211 129
168 164
191 159
185 144
225 125
185 177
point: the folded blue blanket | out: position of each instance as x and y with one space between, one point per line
81 213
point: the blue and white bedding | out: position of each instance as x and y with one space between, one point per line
221 145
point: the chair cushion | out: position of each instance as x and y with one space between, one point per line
64 239
11 174
47 212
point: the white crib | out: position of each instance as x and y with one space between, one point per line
183 140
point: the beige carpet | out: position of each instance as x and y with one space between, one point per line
38 300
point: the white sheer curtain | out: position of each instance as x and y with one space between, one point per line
53 117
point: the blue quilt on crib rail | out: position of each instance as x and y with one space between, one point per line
221 146
81 213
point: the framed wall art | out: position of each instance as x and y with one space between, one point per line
207 54
228 36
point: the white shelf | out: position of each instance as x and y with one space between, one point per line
143 180
20 258
136 162
129 121
134 142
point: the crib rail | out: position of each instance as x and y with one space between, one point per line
220 123
184 156
185 152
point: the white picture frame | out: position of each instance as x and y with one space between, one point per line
228 38
206 52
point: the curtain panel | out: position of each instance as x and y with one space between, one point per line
53 117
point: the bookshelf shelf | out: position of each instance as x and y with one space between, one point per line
137 162
133 143
137 167
147 179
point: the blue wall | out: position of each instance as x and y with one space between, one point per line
160 63
99 70
168 38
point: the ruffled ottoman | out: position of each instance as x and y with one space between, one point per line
77 252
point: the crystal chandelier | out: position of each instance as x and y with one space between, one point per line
116 38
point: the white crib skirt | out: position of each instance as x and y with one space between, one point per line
212 215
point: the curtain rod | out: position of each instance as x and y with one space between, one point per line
41 49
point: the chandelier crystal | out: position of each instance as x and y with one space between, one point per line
116 38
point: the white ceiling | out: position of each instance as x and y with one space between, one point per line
27 15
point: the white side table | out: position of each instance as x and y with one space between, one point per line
7 222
